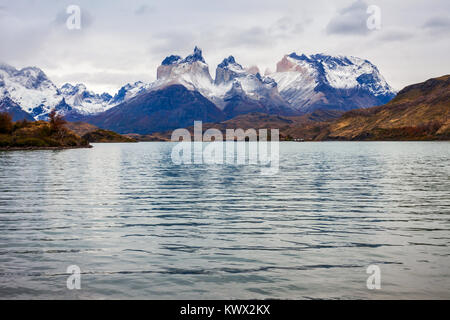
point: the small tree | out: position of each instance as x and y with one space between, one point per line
6 124
57 123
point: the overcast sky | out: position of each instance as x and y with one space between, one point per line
125 41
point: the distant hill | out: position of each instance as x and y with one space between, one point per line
419 112
256 121
81 128
106 136
94 134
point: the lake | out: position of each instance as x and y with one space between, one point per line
139 226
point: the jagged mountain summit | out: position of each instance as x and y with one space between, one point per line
322 81
247 91
191 72
83 100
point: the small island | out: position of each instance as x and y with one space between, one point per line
32 135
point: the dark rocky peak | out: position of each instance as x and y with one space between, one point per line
228 61
173 59
195 56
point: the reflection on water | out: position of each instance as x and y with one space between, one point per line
139 226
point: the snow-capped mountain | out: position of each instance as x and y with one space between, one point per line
37 95
243 90
29 88
330 82
84 101
235 89
192 72
128 91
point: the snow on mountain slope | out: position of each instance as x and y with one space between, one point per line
30 88
252 83
129 91
332 82
245 90
16 112
191 72
83 100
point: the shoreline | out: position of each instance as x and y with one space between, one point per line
43 148
91 146
337 140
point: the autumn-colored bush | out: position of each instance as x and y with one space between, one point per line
37 134
21 124
6 124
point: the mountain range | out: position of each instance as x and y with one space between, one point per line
185 91
419 112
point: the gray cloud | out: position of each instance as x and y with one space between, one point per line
117 78
124 40
144 9
395 35
287 26
438 23
251 37
350 20
172 41
221 38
